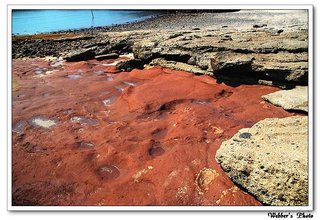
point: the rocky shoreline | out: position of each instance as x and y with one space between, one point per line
160 112
273 55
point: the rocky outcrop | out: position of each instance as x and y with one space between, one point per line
270 160
292 100
245 55
256 52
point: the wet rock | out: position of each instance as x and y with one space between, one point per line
130 83
85 121
20 126
73 76
109 101
42 121
273 163
156 151
108 172
292 100
109 78
187 116
107 56
120 88
80 55
200 102
84 145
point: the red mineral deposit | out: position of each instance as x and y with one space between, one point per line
145 137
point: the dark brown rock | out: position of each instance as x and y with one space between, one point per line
107 56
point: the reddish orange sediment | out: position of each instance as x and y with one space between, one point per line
150 135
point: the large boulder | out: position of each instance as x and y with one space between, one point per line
270 160
293 100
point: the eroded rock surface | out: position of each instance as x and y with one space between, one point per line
270 160
144 137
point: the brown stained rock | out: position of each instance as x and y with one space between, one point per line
270 160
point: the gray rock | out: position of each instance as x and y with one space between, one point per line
270 160
295 99
192 61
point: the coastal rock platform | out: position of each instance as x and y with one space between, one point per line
144 137
134 114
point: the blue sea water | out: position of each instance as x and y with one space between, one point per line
42 21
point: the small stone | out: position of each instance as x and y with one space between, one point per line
192 61
245 135
259 25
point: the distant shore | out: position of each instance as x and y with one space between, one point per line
168 19
45 44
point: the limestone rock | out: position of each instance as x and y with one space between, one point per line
177 66
294 99
270 160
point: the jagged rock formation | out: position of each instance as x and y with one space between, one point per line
246 56
270 160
